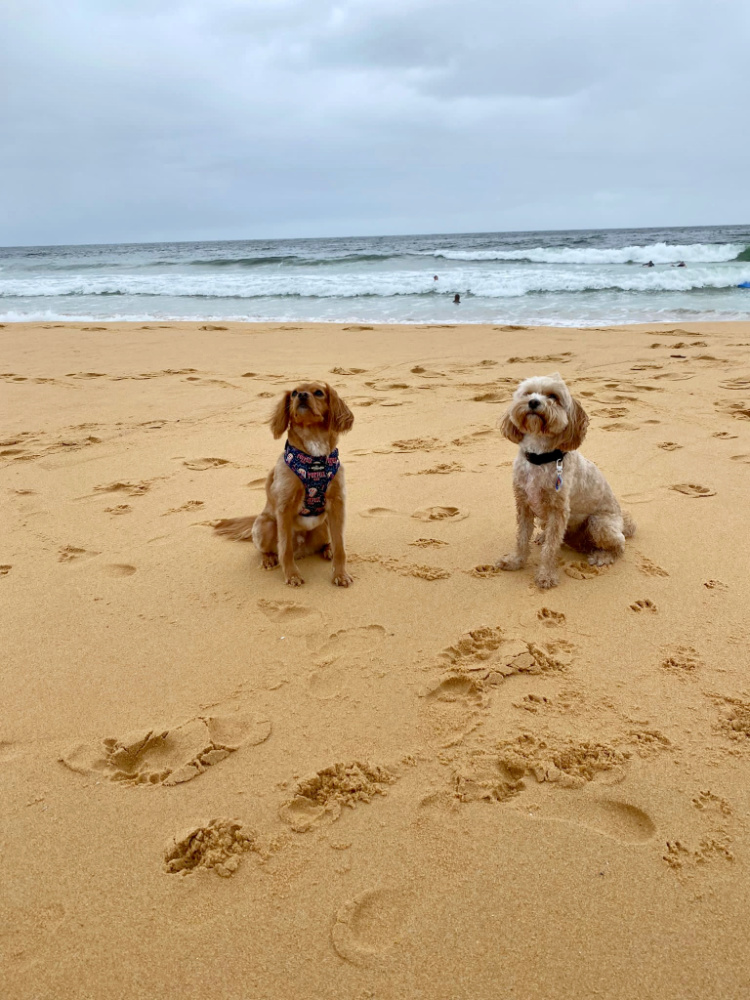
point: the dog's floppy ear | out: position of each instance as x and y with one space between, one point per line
509 430
573 435
280 417
340 417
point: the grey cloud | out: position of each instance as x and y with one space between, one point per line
179 119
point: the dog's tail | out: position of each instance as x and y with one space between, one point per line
628 525
239 529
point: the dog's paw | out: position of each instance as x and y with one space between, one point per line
326 553
294 580
342 579
545 580
510 562
601 557
539 540
270 560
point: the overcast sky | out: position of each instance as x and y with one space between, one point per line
131 120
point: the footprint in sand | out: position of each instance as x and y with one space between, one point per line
283 611
745 459
485 571
644 605
715 585
611 411
584 570
682 660
443 469
415 444
725 436
458 688
379 512
550 618
202 464
5 569
70 553
121 508
218 844
742 383
429 543
320 797
168 756
348 642
740 411
440 514
367 929
328 681
118 569
649 568
490 397
135 489
618 820
669 446
620 426
210 326
348 371
693 490
542 358
403 569
189 505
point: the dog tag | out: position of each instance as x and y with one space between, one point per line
559 470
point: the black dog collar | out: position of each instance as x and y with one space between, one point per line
545 457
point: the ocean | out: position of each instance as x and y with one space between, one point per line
575 278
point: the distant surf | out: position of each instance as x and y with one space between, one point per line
585 277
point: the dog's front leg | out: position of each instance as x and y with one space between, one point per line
554 532
285 527
525 529
336 518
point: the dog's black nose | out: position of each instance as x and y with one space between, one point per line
303 396
533 404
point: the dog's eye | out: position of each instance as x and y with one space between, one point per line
294 393
553 397
319 392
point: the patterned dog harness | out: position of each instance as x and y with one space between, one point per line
315 475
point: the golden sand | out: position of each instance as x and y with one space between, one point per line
440 783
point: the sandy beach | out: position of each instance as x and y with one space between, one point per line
440 783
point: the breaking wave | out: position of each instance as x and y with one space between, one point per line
659 253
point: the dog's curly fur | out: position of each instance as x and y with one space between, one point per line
584 512
314 415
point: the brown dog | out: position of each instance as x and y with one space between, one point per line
305 490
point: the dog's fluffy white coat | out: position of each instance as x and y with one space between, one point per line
584 512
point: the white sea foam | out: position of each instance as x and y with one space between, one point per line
659 253
496 283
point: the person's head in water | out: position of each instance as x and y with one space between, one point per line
434 277
456 299
650 264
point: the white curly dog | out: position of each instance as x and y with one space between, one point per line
553 483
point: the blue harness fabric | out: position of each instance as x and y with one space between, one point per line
315 475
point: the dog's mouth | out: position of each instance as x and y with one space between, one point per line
535 421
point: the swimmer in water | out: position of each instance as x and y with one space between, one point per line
456 299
